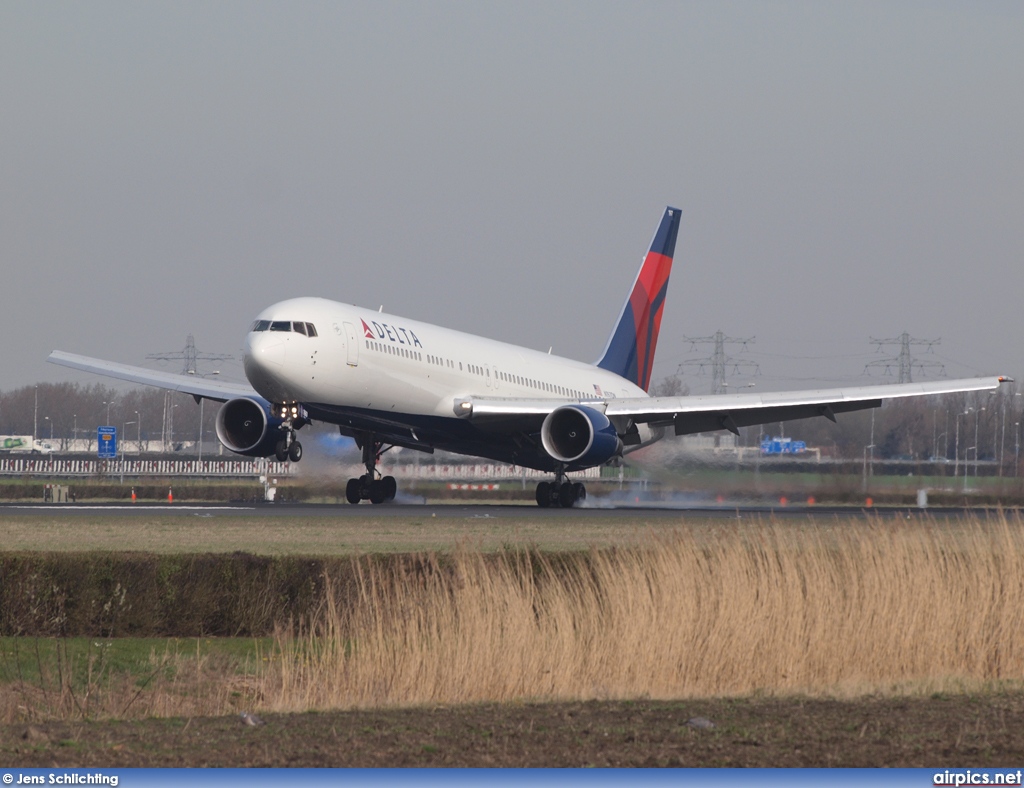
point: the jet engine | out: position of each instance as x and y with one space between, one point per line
579 436
246 426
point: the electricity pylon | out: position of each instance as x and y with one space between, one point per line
718 360
905 362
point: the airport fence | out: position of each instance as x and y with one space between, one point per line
469 471
61 467
70 467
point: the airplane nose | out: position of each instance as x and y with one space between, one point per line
264 358
266 351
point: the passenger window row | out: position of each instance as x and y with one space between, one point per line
393 350
518 380
551 388
441 362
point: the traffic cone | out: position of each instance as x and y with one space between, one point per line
170 496
133 495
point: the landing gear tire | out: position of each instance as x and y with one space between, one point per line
295 451
566 495
281 451
581 492
378 492
544 494
390 488
353 491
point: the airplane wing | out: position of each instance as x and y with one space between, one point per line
722 411
189 384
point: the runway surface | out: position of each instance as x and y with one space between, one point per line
518 511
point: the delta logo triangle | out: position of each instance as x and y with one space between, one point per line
366 329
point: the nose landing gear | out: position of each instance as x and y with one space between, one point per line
289 448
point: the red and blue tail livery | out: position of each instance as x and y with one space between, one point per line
630 350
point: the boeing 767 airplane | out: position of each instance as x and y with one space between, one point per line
390 381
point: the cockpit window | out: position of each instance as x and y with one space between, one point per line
284 325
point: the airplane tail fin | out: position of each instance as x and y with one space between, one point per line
630 349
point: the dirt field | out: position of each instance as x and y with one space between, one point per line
921 732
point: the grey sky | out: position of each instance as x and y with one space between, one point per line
845 170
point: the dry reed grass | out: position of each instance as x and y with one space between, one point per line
723 610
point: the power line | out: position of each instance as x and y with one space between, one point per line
718 361
905 362
191 356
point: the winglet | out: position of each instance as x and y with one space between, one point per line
630 349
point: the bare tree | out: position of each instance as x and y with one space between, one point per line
672 386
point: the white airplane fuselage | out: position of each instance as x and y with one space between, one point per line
375 367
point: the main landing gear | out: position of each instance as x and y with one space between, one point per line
560 492
371 486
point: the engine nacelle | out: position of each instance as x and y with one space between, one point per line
579 436
246 426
